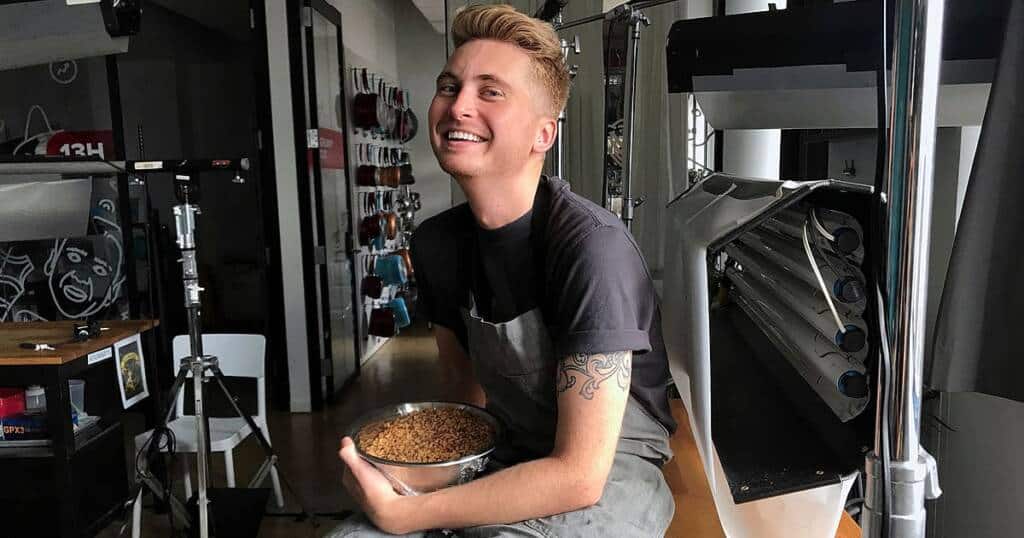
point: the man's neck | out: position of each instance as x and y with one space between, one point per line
496 202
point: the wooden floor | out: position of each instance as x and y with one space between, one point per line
408 369
405 369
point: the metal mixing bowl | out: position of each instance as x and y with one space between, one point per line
417 478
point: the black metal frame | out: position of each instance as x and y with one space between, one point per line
303 61
844 33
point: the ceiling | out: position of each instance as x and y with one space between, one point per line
433 10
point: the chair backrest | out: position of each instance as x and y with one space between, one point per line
238 355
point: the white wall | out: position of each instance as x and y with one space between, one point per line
860 149
369 30
374 32
418 72
293 284
752 152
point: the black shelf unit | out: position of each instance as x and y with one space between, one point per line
845 33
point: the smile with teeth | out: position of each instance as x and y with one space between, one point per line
463 135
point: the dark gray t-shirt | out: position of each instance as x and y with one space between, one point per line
569 257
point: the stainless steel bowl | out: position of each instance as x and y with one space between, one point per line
417 478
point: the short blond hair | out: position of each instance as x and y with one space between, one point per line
501 22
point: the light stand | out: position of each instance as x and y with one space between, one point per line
637 20
196 364
900 473
567 47
200 366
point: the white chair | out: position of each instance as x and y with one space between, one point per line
239 355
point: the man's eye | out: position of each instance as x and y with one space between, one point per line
491 92
99 270
74 257
446 89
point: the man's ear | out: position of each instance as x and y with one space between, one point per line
546 135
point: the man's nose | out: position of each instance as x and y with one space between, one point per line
463 106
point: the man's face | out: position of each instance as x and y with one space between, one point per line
487 113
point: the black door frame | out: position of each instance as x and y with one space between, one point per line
311 211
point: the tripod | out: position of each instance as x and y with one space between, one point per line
202 368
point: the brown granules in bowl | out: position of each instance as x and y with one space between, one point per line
427 436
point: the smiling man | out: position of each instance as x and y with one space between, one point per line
547 298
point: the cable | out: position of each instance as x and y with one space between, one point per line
886 373
821 229
152 449
821 281
878 239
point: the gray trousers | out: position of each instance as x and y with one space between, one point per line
636 503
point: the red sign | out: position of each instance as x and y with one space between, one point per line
82 144
332 149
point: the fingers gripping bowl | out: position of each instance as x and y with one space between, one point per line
425 446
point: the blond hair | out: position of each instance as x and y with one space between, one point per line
535 37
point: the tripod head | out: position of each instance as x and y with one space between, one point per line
185 189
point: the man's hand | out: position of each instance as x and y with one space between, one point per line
592 394
373 492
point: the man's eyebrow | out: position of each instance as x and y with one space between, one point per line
78 251
488 77
492 78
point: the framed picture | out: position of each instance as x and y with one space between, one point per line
131 370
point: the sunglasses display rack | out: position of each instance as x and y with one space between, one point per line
381 124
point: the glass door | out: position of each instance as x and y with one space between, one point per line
330 197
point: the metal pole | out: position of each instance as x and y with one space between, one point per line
559 156
917 58
185 224
567 48
638 20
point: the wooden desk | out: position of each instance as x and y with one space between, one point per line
59 335
52 369
696 516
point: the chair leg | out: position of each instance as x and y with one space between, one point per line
229 467
137 515
186 475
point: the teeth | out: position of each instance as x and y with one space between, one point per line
463 135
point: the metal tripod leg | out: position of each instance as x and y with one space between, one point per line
271 459
154 485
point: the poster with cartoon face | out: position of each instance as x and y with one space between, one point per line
84 274
68 278
131 370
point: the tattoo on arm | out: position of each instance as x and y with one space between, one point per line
586 373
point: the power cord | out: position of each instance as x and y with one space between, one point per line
885 374
162 440
821 281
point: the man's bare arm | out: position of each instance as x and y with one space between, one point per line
592 395
450 351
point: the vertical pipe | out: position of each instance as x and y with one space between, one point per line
917 58
559 157
898 468
638 20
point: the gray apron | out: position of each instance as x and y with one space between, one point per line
515 363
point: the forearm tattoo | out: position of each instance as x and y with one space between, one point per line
586 373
